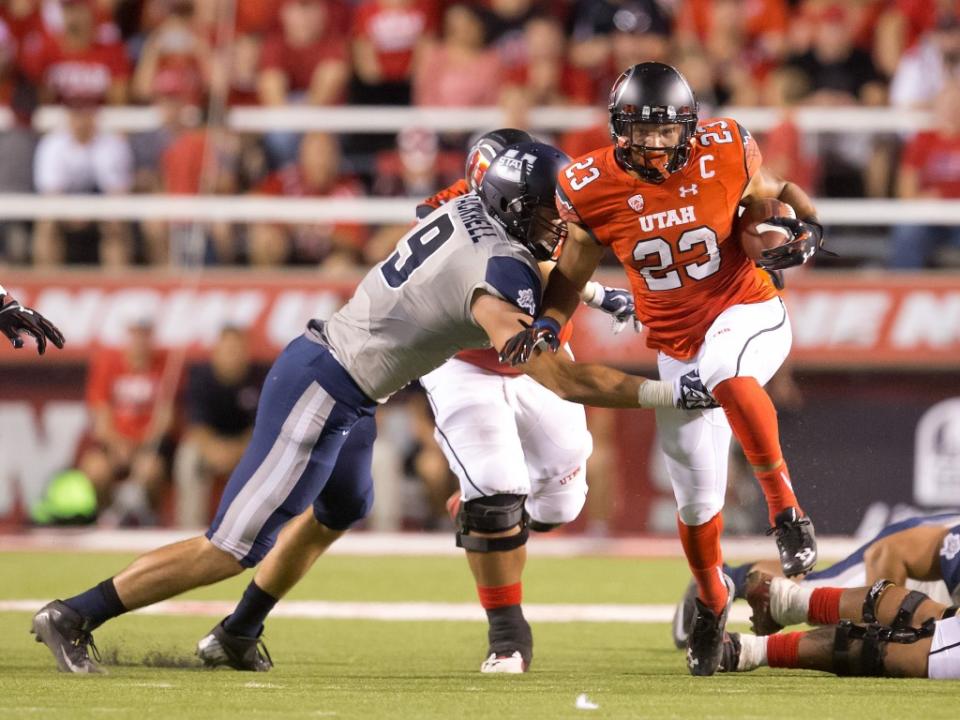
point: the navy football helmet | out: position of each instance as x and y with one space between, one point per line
519 192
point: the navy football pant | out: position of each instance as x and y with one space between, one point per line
312 443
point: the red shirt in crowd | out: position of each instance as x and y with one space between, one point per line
298 63
393 31
289 181
129 394
936 159
87 73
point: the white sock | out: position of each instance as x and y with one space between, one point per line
753 652
789 602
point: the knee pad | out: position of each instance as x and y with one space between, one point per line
904 616
867 660
492 514
698 513
538 526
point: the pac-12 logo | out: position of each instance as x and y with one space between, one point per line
636 202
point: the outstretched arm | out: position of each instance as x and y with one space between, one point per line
912 553
583 383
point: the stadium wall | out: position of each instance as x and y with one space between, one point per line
875 356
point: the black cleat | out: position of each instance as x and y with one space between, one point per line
61 628
730 657
796 542
705 643
219 648
511 641
684 615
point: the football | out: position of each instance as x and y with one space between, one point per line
754 234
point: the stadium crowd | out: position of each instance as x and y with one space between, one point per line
184 58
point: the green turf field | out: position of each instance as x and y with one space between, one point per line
370 669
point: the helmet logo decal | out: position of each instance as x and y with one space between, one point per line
512 165
636 202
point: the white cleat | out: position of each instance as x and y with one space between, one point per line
504 663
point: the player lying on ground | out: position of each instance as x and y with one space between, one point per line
16 319
465 276
664 197
882 630
920 553
507 436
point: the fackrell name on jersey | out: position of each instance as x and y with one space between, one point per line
667 218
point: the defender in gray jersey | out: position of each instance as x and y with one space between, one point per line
464 277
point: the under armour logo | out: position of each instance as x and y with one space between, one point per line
684 191
805 556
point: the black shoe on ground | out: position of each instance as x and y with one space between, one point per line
796 542
61 629
705 644
219 648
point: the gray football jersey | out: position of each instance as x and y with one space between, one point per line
411 312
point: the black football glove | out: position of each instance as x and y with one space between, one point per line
689 393
541 334
807 240
16 319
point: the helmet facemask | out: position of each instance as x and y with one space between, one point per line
657 162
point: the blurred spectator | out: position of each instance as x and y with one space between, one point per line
174 101
742 40
837 72
222 403
316 173
241 75
306 60
901 23
129 446
458 70
541 75
82 159
386 36
174 53
417 167
505 28
930 168
607 37
928 66
202 161
303 63
17 144
76 64
786 150
27 32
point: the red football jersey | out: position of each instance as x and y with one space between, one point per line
673 239
488 358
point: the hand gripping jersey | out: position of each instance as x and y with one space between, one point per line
412 312
488 358
673 239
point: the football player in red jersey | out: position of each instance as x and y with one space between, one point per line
664 197
16 319
507 437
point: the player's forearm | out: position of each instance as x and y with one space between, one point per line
883 561
599 385
561 297
794 196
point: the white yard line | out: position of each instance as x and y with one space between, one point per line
411 611
417 544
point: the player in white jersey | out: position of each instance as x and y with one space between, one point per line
464 277
920 553
882 631
16 319
504 433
